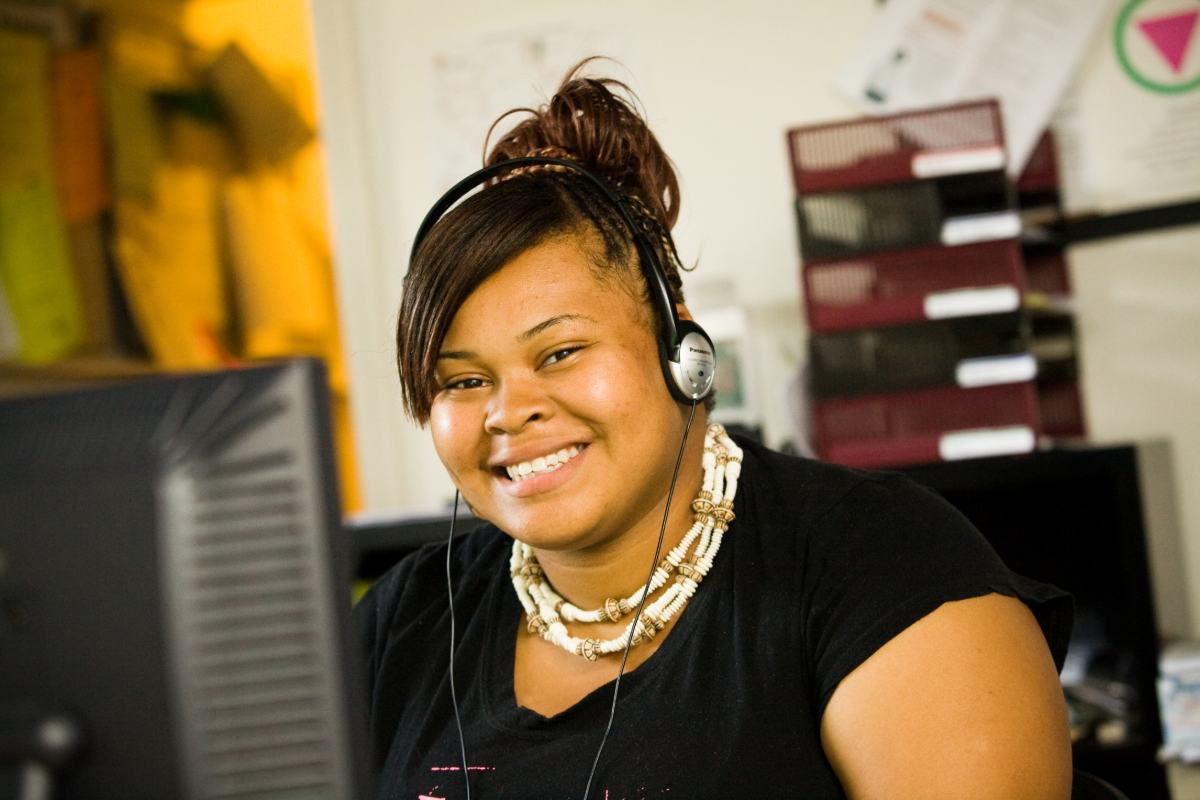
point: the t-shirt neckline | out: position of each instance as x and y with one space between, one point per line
496 675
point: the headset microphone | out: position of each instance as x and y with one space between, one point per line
462 745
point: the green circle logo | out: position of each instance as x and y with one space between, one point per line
1155 44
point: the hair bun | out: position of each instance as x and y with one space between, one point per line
594 121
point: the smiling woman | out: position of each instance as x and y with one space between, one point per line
790 629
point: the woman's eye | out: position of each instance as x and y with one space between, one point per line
463 383
559 355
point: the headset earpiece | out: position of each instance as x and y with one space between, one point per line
690 367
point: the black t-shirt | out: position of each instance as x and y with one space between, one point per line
822 566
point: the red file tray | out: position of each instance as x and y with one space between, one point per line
1046 270
1061 409
1040 174
968 137
899 286
900 428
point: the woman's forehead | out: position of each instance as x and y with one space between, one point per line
553 278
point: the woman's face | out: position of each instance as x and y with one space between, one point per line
551 413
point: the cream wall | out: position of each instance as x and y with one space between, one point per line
720 89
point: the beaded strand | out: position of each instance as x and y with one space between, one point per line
546 610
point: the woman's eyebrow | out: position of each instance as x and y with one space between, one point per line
550 323
468 355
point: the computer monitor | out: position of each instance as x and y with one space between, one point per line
172 576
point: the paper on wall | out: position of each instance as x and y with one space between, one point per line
79 153
35 267
25 153
921 53
89 258
1128 129
269 127
10 337
281 273
168 256
475 79
134 135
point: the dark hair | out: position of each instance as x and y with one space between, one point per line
588 122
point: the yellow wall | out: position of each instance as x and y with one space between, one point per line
276 34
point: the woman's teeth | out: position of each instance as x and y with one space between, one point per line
547 463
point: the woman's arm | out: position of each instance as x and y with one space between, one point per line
965 702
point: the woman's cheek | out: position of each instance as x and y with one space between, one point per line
614 386
449 436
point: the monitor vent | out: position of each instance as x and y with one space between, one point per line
250 605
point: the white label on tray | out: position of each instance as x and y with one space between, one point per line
971 302
981 228
986 442
957 162
994 370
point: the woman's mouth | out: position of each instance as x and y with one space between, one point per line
542 464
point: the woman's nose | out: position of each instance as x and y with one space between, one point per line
516 403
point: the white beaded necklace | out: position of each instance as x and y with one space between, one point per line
545 609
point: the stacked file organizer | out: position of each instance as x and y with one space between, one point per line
921 348
1049 300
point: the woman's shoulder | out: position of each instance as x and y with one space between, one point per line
825 521
799 491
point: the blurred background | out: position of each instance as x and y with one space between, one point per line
959 238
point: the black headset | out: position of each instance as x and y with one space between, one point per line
686 352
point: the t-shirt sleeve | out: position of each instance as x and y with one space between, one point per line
886 555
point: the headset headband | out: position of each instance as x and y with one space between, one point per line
656 280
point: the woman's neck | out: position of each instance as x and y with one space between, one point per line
620 565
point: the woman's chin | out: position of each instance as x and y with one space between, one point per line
551 531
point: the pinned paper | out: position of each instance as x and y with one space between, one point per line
134 134
145 44
35 266
78 138
10 337
25 153
269 126
282 275
1128 131
168 257
92 278
920 53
